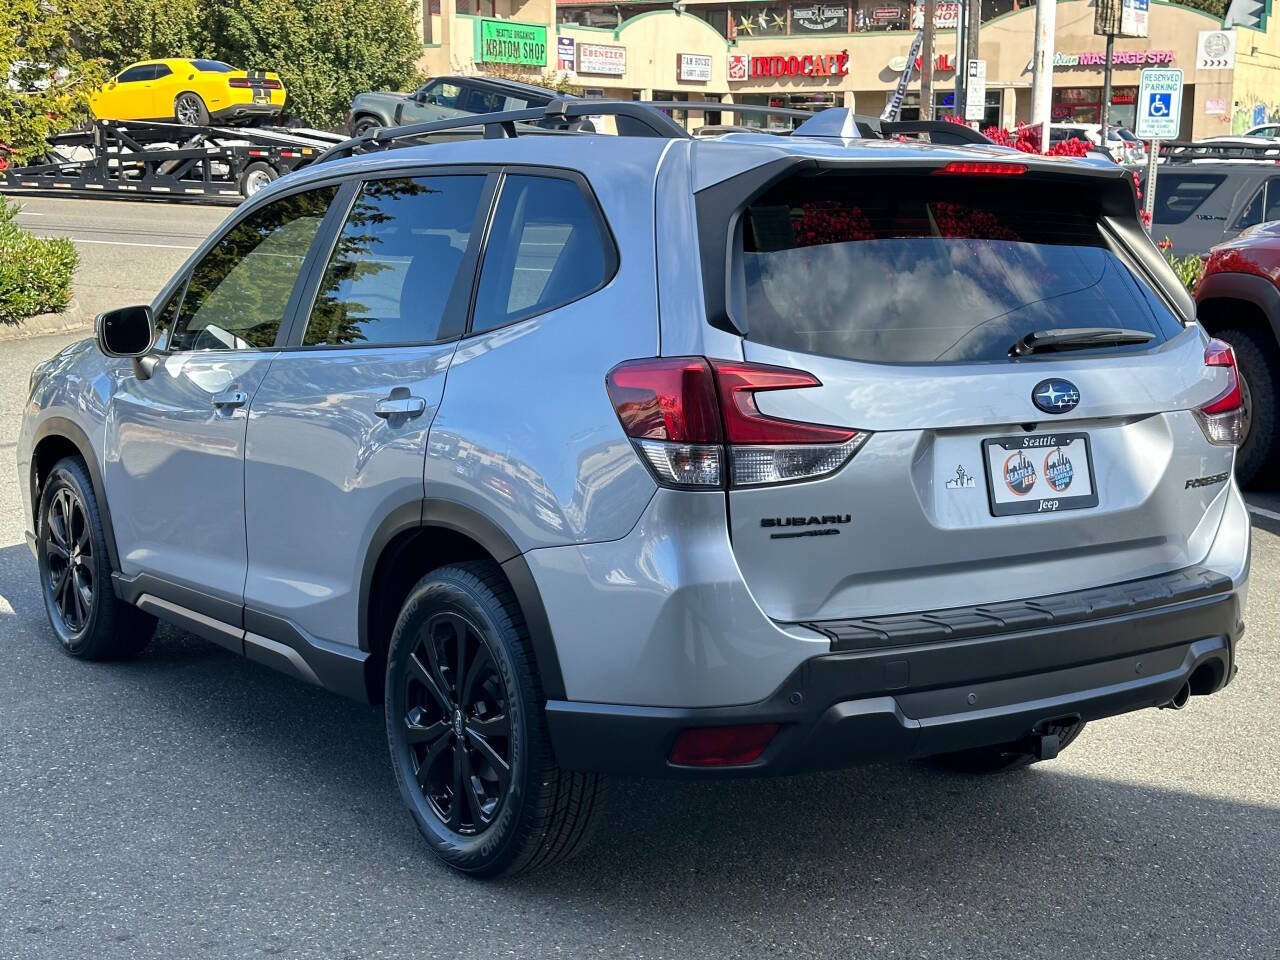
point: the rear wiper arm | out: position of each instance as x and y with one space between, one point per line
1079 338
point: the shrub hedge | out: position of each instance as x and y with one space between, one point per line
35 272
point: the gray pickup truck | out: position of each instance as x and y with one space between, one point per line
444 97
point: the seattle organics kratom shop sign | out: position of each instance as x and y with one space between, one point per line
505 41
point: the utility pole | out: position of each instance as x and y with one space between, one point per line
1042 69
972 41
1106 89
926 62
962 17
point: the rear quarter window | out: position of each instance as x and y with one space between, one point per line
931 269
1179 195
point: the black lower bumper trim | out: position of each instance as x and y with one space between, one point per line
910 701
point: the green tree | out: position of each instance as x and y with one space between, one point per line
123 31
48 82
326 51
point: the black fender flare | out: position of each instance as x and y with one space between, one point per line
56 426
1259 291
459 518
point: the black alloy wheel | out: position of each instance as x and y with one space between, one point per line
75 571
70 579
467 728
456 724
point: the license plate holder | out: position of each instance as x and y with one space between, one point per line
1039 473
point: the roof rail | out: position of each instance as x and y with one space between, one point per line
1187 151
637 118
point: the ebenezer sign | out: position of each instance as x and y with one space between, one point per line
602 59
810 65
505 41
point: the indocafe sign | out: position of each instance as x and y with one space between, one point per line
809 65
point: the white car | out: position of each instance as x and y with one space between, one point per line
1123 146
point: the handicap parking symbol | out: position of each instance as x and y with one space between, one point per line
1160 105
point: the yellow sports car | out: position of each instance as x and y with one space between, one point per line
194 92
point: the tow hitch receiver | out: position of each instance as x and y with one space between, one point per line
1044 746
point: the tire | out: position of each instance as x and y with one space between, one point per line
541 814
254 177
1001 758
364 124
189 109
1259 361
75 572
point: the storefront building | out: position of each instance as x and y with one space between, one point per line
811 54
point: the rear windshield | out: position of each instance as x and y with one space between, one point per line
932 269
212 66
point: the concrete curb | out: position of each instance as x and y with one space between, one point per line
70 320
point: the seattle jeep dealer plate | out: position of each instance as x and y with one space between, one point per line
1039 473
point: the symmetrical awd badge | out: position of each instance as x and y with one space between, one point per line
1055 396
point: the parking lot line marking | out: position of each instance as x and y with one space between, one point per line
1262 512
126 243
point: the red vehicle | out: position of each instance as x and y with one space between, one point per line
1239 302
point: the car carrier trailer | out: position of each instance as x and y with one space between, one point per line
132 158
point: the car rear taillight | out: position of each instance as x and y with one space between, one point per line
697 424
244 82
1222 418
722 746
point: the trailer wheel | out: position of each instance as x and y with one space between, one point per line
190 109
255 177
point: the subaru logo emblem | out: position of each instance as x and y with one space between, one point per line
1055 396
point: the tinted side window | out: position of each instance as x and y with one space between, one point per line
135 74
1178 195
1272 210
1252 213
238 292
445 94
160 71
395 263
546 248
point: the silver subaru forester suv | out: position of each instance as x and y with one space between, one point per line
661 456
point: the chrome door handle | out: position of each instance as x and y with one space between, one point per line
397 406
231 400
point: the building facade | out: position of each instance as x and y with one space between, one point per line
810 54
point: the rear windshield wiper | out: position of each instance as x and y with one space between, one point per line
1079 338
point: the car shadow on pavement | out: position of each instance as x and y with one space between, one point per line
876 855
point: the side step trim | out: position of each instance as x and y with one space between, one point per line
261 637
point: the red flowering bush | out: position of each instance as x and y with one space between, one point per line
830 221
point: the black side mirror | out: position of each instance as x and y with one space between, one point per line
126 332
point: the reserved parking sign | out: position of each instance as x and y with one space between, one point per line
1159 104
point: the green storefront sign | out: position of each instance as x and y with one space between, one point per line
503 41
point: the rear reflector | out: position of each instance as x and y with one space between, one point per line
722 746
1222 418
970 168
691 417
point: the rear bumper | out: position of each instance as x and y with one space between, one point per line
904 699
238 111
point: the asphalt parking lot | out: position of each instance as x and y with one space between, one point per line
193 804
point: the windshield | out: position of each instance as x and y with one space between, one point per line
932 269
212 66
